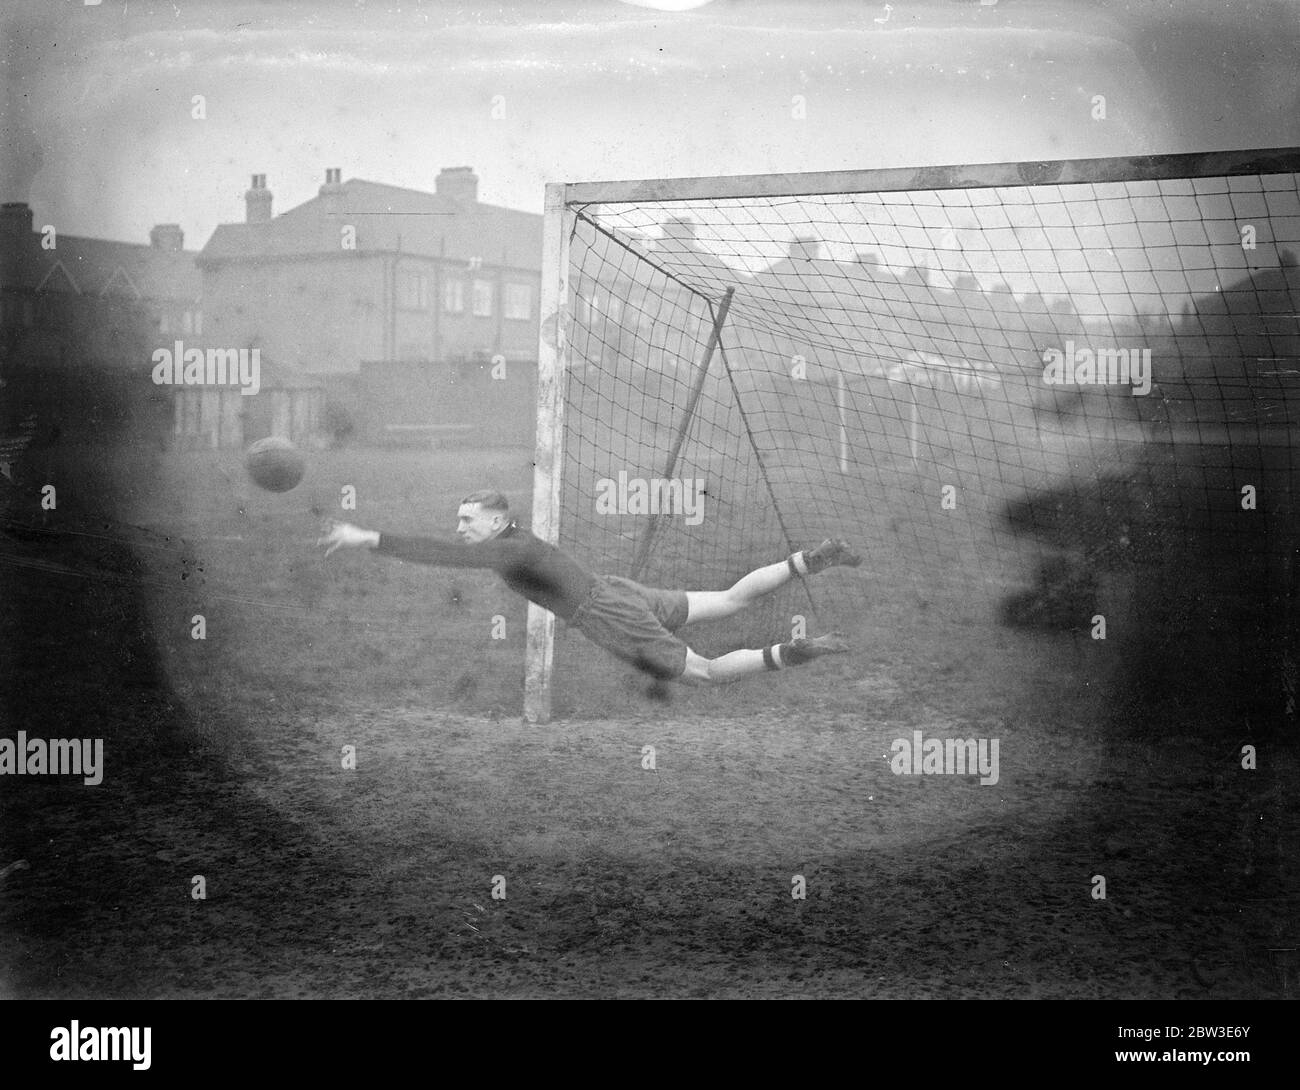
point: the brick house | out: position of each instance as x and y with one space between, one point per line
396 278
79 318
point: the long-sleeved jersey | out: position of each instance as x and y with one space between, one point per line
528 565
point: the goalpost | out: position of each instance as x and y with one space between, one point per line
731 368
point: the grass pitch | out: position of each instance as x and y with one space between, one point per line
225 759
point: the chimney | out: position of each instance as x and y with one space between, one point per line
805 248
258 200
16 217
331 193
167 236
457 183
681 230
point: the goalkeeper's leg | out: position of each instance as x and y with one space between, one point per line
744 663
711 605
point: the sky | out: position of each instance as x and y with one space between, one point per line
100 133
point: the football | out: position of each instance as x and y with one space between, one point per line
275 464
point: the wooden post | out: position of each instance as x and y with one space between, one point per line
548 465
701 373
1215 164
916 421
844 433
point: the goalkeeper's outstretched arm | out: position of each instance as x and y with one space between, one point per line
438 551
339 535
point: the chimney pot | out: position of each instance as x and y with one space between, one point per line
257 200
805 248
332 192
679 229
167 236
17 218
333 186
458 184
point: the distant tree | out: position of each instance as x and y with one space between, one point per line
338 423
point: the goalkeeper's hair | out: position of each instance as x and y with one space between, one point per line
489 499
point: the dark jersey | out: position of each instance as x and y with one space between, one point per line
529 566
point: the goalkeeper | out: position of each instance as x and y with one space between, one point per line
636 624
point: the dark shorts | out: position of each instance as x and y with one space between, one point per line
636 624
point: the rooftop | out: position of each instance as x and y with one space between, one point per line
387 219
96 266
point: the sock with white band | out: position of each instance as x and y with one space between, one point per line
798 564
791 653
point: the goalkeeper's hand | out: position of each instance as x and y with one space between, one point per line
340 534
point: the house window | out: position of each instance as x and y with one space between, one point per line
17 311
453 296
519 302
483 298
47 314
413 291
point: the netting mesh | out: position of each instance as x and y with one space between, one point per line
969 384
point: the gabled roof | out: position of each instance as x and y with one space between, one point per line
57 278
120 283
696 265
388 219
97 266
871 311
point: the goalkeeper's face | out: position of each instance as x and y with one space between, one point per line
474 524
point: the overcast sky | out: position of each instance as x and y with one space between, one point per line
99 138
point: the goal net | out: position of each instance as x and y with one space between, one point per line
1006 384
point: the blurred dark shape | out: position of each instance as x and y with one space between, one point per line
1207 569
338 423
1064 597
659 691
465 687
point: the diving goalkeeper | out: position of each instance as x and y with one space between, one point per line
634 623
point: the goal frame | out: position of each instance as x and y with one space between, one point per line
559 222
